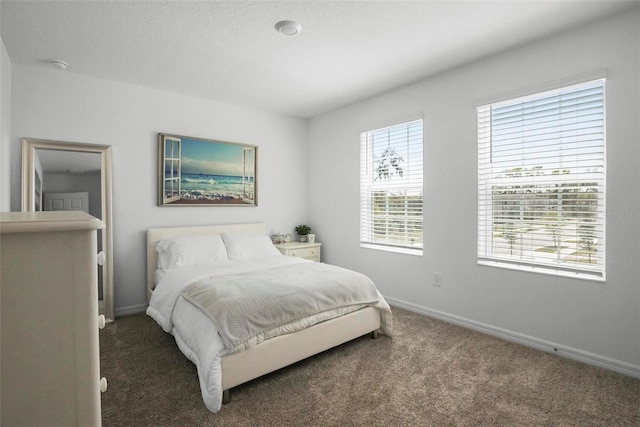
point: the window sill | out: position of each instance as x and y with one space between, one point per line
550 271
396 249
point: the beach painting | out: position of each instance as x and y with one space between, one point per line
203 172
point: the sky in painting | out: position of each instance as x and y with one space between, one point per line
211 158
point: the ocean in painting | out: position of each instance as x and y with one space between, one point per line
210 187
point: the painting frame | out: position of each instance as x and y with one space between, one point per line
206 172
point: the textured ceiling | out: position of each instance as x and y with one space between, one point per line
229 50
69 162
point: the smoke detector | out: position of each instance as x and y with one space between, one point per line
58 63
288 28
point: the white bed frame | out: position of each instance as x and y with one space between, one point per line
278 352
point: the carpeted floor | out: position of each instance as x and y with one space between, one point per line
429 374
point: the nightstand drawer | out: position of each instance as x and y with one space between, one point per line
308 253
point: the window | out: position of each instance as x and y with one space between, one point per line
391 188
172 169
248 174
541 182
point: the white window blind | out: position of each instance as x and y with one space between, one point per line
541 182
391 166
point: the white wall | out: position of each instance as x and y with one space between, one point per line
56 105
5 137
597 322
5 129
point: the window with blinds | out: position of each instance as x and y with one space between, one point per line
541 182
391 166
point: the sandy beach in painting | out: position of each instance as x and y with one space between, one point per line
211 189
203 201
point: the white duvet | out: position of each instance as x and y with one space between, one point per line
194 332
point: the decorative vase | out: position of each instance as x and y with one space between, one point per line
303 238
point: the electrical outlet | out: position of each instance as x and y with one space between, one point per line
437 279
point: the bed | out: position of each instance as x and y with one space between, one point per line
174 283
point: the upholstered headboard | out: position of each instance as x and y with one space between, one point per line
154 235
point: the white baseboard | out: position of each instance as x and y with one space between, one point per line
132 309
546 346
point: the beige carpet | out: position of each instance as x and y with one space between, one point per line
429 374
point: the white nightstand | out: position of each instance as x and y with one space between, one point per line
310 251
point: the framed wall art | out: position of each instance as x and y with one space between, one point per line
206 172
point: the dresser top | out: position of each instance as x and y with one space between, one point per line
25 222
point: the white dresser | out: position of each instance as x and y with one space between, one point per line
309 251
49 350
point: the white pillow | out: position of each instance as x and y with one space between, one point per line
190 251
244 246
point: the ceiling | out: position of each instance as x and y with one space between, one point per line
229 51
63 162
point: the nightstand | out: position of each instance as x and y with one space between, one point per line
310 251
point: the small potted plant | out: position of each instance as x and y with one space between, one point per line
303 230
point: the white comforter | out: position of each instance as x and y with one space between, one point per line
194 332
